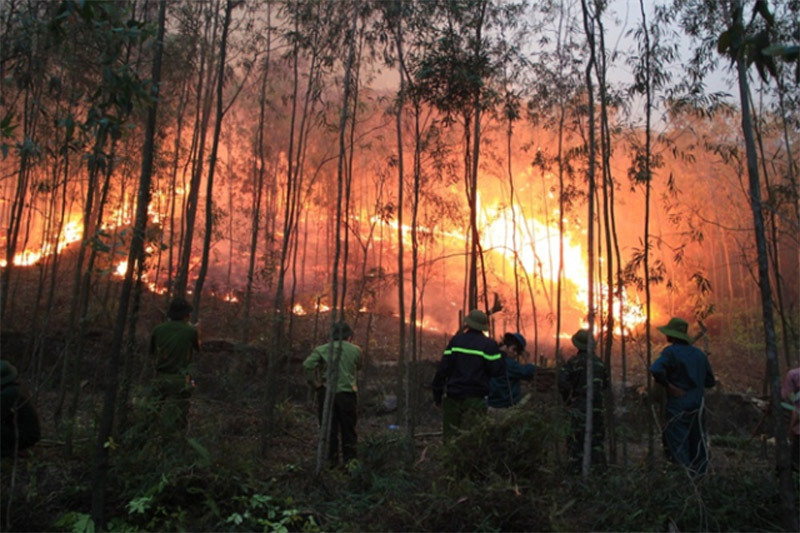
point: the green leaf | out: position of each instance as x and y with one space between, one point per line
84 524
789 52
201 450
235 518
139 505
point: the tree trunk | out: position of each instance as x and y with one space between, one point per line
588 24
101 459
212 164
343 193
783 463
201 127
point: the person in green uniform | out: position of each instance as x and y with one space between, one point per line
345 401
572 385
172 344
20 422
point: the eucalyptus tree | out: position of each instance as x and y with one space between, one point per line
722 26
206 60
220 111
26 51
512 87
112 89
589 24
743 44
342 197
608 100
555 104
400 18
650 75
259 170
780 112
101 454
458 77
181 50
313 31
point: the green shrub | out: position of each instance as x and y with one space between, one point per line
517 445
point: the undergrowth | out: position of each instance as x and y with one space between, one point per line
505 474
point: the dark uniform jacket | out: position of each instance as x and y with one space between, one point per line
469 361
20 422
572 381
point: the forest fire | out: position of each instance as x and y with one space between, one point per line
532 245
70 233
408 162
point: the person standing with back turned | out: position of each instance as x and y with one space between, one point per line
345 400
685 372
572 386
172 344
461 383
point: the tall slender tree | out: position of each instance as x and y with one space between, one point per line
101 453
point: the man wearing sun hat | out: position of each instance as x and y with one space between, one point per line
461 383
685 372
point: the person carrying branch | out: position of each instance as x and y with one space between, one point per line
345 400
461 383
684 371
172 344
572 386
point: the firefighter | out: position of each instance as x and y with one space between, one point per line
461 383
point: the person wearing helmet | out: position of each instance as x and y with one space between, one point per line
506 390
461 383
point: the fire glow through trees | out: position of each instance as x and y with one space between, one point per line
279 183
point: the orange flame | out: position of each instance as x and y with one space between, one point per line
531 235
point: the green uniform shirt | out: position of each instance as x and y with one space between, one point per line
172 343
315 365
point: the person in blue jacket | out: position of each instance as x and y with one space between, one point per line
685 372
461 383
505 389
